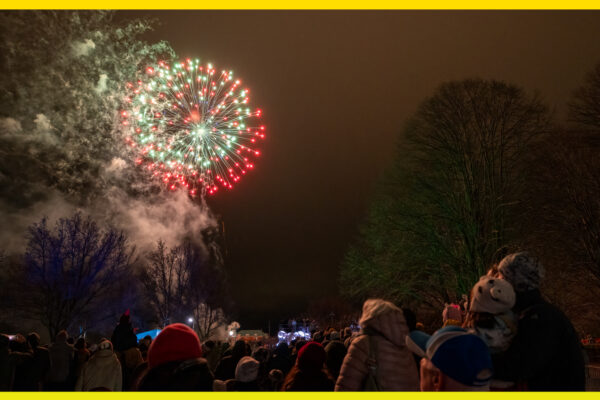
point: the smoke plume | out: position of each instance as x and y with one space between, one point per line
61 146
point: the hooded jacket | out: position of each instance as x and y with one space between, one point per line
103 370
396 368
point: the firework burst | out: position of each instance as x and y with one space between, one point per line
192 125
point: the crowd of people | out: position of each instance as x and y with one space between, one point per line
506 337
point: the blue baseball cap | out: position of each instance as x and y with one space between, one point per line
459 354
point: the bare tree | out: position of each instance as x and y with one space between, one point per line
584 107
71 269
207 319
187 280
563 220
563 208
581 164
582 212
208 295
166 279
449 203
568 203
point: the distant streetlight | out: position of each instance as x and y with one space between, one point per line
191 321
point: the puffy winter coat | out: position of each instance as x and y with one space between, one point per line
103 370
396 368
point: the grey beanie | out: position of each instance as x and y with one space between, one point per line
523 271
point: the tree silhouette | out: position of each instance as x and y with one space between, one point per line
71 269
448 205
584 107
187 281
166 279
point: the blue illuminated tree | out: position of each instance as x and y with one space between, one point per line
71 269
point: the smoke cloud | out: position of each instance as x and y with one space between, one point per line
13 238
9 126
171 217
62 149
83 48
101 85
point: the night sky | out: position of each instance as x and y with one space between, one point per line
336 89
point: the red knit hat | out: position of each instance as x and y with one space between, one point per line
175 342
311 356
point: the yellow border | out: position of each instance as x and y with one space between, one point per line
300 396
295 5
300 4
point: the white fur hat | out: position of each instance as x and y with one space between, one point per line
492 295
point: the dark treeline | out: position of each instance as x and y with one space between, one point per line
483 169
79 276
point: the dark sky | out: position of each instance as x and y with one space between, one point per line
336 88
